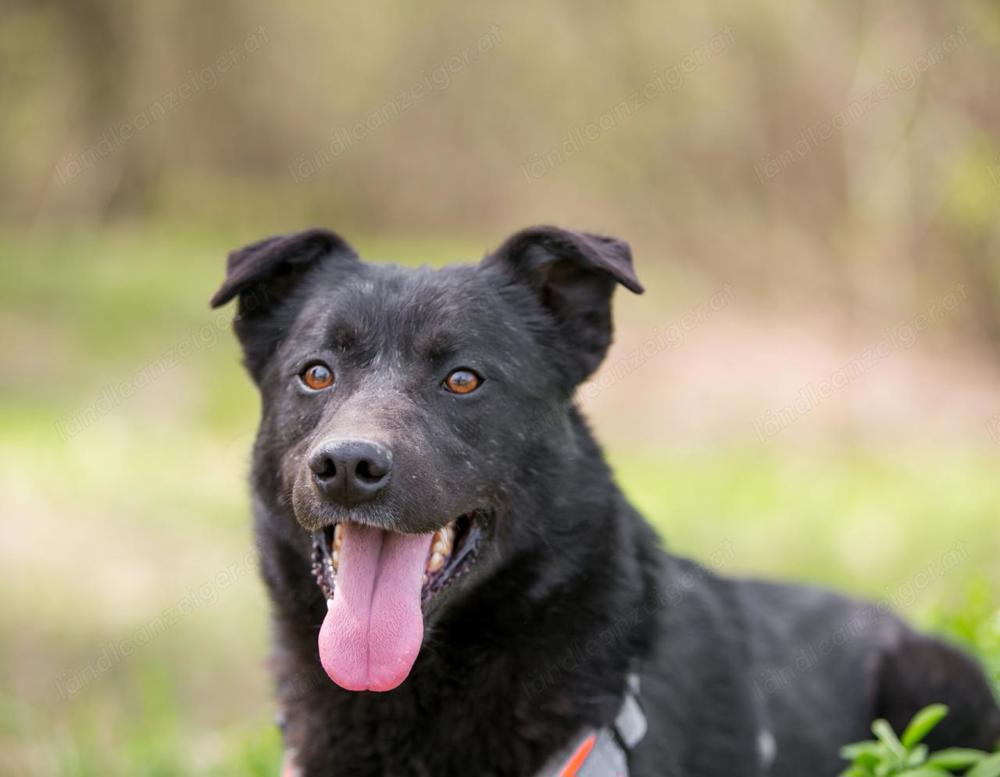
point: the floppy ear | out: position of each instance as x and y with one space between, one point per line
264 274
271 265
574 275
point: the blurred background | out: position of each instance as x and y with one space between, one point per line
809 389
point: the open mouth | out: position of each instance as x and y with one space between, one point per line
453 551
377 584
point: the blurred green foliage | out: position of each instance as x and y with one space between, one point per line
906 755
843 152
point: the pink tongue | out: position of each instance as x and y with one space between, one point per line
373 632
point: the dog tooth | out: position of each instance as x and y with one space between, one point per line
329 604
426 579
442 547
338 536
436 563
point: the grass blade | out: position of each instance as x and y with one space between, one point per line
922 724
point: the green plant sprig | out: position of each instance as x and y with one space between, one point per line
889 755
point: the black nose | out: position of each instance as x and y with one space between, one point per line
349 472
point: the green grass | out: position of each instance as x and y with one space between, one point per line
143 507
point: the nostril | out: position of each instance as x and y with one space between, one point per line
369 472
323 468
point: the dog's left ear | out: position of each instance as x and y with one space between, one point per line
574 275
265 276
260 271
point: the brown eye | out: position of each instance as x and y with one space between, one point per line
317 377
462 382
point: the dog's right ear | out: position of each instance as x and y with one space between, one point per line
573 275
263 275
262 272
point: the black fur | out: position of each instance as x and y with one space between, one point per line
572 589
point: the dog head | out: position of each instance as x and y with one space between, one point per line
412 417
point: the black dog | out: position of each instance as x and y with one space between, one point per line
436 522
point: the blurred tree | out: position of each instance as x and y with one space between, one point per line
808 153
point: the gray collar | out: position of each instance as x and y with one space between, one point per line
603 752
